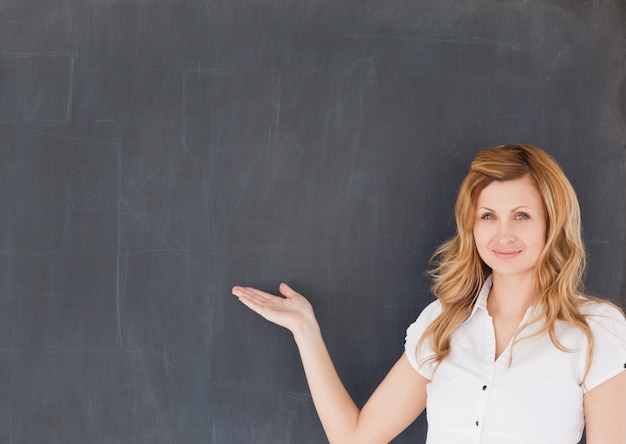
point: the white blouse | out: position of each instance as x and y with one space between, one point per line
538 398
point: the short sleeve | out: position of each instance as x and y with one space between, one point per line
419 359
609 345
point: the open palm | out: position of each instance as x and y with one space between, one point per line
287 311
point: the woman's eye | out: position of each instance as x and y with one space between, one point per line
522 216
487 216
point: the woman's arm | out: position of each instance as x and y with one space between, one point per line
605 412
399 399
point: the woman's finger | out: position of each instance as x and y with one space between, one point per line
254 298
287 291
251 304
249 293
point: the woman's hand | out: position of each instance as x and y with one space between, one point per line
291 311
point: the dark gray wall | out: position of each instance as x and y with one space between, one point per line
155 153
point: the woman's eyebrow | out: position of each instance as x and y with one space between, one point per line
521 207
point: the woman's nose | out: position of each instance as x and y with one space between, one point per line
505 234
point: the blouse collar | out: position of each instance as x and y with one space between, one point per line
481 298
480 302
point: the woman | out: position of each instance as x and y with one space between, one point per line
511 351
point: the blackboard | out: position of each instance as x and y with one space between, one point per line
155 153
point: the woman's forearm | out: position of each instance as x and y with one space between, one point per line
336 409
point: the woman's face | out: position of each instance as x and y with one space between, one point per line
510 226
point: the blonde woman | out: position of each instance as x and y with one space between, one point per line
511 350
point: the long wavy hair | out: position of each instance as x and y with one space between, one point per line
459 272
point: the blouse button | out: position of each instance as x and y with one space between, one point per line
477 423
484 387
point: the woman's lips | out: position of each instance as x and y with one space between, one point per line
506 254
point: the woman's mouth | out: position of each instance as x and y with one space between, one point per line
506 254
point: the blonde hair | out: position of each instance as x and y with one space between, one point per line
459 272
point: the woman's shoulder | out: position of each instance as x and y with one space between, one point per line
419 358
604 317
426 317
605 320
429 313
598 309
415 331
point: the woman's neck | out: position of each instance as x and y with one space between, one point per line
510 296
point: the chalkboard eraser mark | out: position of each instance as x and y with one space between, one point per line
36 88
